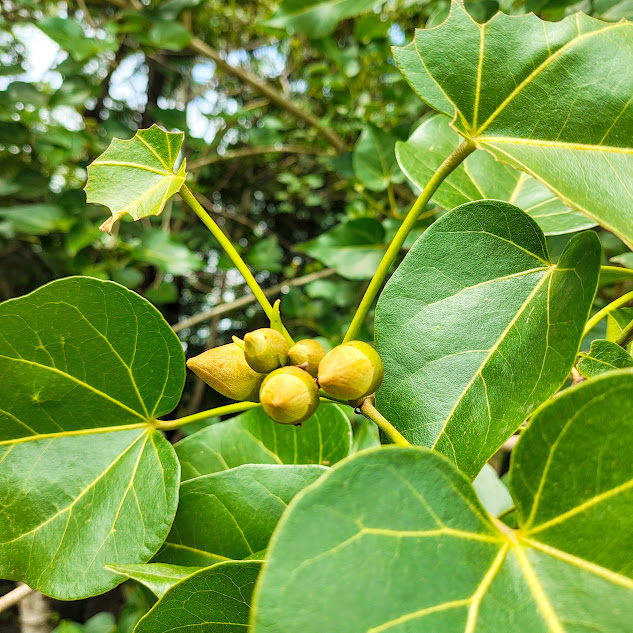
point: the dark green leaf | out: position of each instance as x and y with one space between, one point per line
266 255
166 252
479 177
374 159
214 600
36 219
170 35
86 366
538 96
477 327
253 438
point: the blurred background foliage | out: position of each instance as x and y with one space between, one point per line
291 112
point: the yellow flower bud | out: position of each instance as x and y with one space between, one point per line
225 369
307 354
265 350
351 371
289 395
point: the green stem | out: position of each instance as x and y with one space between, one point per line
453 161
371 413
625 336
325 398
236 407
598 316
506 512
226 244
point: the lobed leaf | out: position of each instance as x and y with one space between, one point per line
477 327
394 539
253 438
136 177
86 368
558 107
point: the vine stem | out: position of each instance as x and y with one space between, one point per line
598 316
453 161
227 245
625 336
236 407
371 413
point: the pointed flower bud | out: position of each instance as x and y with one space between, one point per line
351 371
307 354
265 350
289 395
225 369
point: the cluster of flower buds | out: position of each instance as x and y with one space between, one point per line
287 379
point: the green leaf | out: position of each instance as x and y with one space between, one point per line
36 219
549 108
491 491
479 177
374 159
136 177
157 577
87 366
477 327
266 254
405 529
354 249
626 260
617 321
213 600
70 36
253 438
603 356
170 35
315 18
166 252
231 514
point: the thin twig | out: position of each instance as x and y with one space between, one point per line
248 299
14 596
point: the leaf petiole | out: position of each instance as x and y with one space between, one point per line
598 316
236 407
371 413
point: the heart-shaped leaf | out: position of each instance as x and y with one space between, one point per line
136 177
603 356
213 600
479 177
253 438
404 528
558 106
157 577
87 366
477 327
231 514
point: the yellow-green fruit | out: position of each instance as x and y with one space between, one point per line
265 350
225 369
351 371
307 354
289 395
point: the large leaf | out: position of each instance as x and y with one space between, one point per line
253 438
86 366
551 99
404 529
477 327
214 600
157 577
136 177
316 18
231 514
354 249
479 177
603 356
374 159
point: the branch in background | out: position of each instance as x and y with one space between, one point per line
35 614
14 596
255 151
248 299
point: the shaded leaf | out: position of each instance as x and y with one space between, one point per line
87 366
374 159
231 514
491 491
603 356
548 109
36 219
214 600
70 36
166 252
253 438
474 299
157 577
170 35
479 177
354 249
136 177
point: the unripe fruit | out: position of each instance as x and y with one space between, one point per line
225 369
307 354
265 350
351 371
289 395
